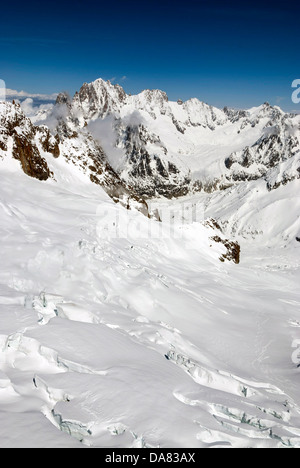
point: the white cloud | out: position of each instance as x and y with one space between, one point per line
104 131
114 78
53 115
12 93
31 109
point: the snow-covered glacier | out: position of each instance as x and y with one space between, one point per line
128 321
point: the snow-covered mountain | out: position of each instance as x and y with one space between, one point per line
36 148
129 319
169 148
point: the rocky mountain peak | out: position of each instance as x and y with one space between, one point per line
63 99
155 96
18 140
98 99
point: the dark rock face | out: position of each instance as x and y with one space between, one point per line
233 250
63 99
284 180
102 174
3 146
228 163
235 114
20 129
99 99
179 128
172 169
213 224
50 144
148 174
31 161
268 152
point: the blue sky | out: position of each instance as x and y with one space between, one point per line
225 53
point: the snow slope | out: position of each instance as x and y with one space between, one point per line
113 337
117 330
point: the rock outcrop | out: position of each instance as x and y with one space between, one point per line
18 133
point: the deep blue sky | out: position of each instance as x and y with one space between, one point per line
223 52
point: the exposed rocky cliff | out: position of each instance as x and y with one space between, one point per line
17 138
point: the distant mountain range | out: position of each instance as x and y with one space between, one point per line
149 146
